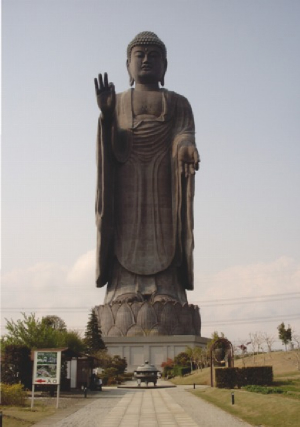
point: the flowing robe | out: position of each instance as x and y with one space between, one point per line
144 206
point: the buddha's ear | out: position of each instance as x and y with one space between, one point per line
131 79
162 80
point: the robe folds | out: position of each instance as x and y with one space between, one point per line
144 206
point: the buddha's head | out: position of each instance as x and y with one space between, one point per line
146 59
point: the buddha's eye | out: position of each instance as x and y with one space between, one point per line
154 54
139 54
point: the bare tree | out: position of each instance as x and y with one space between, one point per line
296 351
199 357
191 355
243 350
256 343
269 341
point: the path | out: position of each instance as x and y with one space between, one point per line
165 407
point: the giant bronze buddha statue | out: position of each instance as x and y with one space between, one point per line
146 165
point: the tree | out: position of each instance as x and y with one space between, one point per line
269 340
285 334
31 332
103 358
92 337
114 366
199 357
168 367
191 355
168 364
16 365
256 342
243 349
119 363
54 322
182 359
73 341
214 337
296 352
35 333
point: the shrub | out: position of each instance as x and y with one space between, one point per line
109 376
263 390
181 370
168 372
231 377
127 376
13 394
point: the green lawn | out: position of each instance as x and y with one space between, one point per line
254 408
269 410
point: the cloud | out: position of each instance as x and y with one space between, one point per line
39 276
256 297
48 288
83 271
274 277
70 292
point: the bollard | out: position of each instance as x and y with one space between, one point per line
84 389
232 397
194 386
0 419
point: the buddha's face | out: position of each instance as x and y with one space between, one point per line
147 64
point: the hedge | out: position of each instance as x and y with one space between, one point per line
232 377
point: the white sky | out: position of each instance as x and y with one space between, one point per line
238 63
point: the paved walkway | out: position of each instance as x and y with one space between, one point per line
164 407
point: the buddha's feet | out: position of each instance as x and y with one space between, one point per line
163 298
129 297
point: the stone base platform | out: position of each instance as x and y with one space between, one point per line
148 319
155 349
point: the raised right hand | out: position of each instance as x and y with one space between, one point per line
106 96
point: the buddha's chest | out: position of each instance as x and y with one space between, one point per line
149 103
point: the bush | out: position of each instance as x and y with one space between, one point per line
263 390
232 377
168 372
109 376
13 394
181 370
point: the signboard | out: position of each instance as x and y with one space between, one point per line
47 365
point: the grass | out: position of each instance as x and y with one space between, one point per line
256 408
23 416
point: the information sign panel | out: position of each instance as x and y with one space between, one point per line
47 365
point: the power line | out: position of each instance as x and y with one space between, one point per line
248 302
287 295
277 318
202 304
